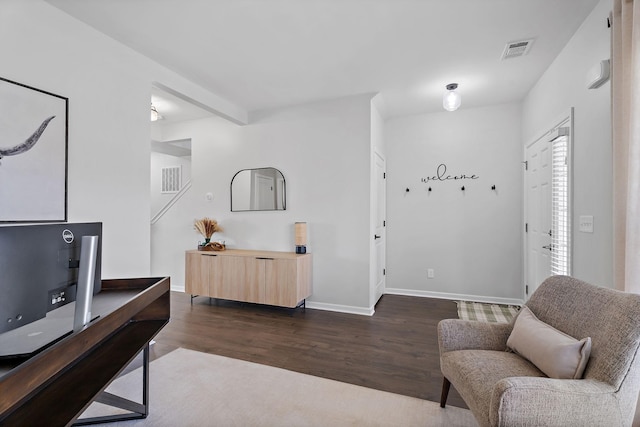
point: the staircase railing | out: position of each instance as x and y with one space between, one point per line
171 202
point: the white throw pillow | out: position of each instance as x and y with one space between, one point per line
555 353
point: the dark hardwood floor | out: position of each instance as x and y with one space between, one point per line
395 350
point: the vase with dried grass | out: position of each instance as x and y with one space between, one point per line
206 227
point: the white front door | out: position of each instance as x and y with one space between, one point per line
538 214
380 226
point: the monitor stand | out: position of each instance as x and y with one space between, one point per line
86 273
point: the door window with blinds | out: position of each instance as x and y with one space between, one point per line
560 203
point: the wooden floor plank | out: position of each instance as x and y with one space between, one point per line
394 350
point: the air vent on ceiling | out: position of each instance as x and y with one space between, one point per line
515 49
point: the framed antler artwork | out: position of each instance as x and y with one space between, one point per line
33 154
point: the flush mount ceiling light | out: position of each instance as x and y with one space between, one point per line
451 99
154 114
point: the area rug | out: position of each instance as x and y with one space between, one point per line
486 312
189 388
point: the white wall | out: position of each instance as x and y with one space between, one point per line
562 86
323 151
109 88
472 239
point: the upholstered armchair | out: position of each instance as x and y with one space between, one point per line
503 388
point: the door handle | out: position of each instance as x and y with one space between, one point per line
550 247
375 236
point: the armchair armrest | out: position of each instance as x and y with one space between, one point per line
546 401
456 334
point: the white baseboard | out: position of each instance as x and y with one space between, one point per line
177 288
317 305
364 311
456 297
340 308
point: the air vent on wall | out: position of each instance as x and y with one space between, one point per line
171 177
515 49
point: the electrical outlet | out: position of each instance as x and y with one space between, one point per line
430 273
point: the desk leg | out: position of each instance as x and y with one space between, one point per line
137 410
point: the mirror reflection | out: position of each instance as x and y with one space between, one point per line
261 189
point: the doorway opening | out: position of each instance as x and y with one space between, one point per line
174 135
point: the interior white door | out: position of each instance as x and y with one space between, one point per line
380 226
264 193
538 214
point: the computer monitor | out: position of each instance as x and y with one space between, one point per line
39 269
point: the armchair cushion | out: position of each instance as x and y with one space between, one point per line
555 353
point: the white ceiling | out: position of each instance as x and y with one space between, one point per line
269 53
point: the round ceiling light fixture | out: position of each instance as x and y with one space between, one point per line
451 99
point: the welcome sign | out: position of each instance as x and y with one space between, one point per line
442 175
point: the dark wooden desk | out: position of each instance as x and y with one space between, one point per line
57 385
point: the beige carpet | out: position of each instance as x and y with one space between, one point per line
189 388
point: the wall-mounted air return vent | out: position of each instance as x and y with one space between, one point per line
171 178
515 49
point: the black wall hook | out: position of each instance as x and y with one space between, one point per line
429 189
462 188
407 190
493 187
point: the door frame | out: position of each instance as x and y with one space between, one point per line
373 283
564 120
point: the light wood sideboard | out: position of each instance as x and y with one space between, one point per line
264 277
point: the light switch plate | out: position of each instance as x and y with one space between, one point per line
586 223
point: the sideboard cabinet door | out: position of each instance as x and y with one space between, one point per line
238 278
287 280
197 269
280 282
